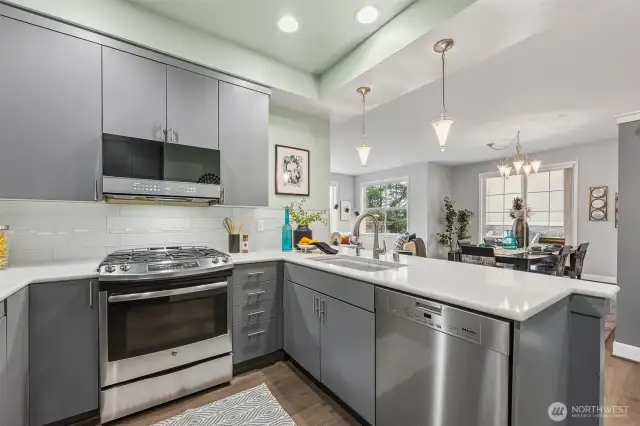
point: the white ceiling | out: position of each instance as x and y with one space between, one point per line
327 32
560 87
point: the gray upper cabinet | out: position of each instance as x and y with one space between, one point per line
3 371
63 351
50 114
244 145
192 108
134 98
302 327
347 354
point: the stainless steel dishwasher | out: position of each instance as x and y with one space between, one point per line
439 366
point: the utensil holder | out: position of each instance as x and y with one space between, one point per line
234 243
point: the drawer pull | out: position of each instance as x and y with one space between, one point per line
255 333
250 314
254 274
256 293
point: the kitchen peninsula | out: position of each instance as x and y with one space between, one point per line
553 351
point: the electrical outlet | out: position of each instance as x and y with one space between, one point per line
260 225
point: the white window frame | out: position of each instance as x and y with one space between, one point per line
363 208
573 165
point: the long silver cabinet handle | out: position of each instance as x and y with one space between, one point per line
316 306
256 333
165 293
221 195
251 314
256 293
95 190
254 274
163 132
171 135
322 312
91 294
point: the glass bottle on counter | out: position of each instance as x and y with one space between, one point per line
4 246
287 243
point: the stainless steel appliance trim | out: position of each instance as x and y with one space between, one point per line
130 398
492 333
158 188
123 370
143 275
165 293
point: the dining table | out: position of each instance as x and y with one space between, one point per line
523 259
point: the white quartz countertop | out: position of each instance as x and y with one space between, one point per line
502 292
505 293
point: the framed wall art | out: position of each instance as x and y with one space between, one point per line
345 210
598 203
292 171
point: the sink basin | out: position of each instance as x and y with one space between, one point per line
366 265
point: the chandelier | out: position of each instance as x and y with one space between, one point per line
521 162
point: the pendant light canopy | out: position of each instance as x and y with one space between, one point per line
442 124
520 162
364 149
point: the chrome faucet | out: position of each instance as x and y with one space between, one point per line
377 251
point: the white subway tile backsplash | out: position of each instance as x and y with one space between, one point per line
72 253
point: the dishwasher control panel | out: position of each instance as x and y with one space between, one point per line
439 317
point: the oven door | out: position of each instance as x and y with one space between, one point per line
156 327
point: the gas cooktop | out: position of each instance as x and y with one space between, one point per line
156 262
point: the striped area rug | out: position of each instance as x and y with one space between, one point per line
256 406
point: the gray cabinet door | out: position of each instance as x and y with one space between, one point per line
50 114
18 359
302 327
134 99
192 108
244 146
63 351
347 348
3 371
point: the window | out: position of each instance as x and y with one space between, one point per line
549 194
387 201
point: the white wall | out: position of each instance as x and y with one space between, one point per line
597 166
439 186
293 128
345 193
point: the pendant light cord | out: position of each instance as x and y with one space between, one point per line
364 110
443 109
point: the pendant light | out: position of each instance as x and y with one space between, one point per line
364 149
442 124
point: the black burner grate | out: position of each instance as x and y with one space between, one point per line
159 254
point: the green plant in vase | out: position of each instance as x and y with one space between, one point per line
303 219
450 215
462 226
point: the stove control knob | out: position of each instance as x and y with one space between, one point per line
215 260
109 268
125 267
226 259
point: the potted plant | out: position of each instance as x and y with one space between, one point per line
520 212
462 226
446 238
303 219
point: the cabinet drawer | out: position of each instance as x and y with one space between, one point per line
256 312
253 293
354 292
257 272
253 340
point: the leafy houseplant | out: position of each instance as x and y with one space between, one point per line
303 219
464 216
450 215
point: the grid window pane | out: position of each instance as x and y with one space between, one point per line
495 203
556 201
396 221
557 180
495 219
538 201
539 219
388 203
513 185
556 218
375 196
538 182
494 186
397 194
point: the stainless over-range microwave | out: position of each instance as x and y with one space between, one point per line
148 170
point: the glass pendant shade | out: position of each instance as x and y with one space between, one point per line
501 170
507 171
442 125
535 164
527 168
363 152
517 165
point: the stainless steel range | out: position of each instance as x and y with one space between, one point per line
165 325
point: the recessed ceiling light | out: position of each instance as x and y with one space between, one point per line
367 14
288 24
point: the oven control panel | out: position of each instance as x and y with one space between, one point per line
173 266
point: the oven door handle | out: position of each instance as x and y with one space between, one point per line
165 293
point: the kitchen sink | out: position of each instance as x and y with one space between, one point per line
366 265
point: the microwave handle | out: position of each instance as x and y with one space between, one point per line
165 293
221 195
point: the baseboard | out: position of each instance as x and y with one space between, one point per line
621 350
600 278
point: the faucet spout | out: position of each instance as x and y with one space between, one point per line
377 251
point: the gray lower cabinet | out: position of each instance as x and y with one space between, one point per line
134 96
244 145
3 370
50 114
192 108
302 327
63 351
347 354
17 377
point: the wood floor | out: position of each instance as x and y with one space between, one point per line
309 406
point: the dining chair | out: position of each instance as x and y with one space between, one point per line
556 268
464 243
478 255
576 262
551 240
